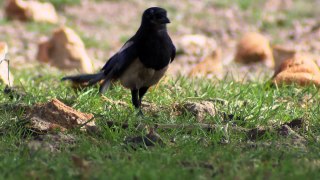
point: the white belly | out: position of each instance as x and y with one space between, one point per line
138 76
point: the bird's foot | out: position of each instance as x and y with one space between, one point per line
140 113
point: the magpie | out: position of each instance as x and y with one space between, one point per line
141 62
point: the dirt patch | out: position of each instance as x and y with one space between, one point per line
295 138
286 130
51 142
152 138
199 109
56 115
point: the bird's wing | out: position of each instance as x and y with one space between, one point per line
173 53
120 61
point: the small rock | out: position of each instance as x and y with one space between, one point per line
56 115
5 75
300 69
210 64
151 139
282 53
254 48
31 11
66 51
200 109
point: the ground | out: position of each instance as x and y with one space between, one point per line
259 131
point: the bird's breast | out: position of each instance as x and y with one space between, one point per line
137 75
155 51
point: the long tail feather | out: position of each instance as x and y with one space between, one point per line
104 86
90 79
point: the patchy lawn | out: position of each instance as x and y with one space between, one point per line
248 137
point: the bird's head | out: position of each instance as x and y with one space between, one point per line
155 16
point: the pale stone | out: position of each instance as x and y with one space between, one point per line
5 76
31 11
254 48
66 51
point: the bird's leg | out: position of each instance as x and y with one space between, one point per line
142 92
135 98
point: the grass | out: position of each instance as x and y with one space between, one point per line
195 155
43 28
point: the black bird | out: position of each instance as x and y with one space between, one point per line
141 62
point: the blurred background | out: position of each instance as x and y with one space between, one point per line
202 30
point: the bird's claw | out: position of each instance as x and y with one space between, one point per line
140 113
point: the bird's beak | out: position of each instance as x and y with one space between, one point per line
165 20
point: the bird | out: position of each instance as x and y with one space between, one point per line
141 62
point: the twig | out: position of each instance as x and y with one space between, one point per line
84 124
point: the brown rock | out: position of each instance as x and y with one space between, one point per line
253 48
43 54
5 75
65 50
280 54
56 115
299 63
300 69
31 11
303 79
210 64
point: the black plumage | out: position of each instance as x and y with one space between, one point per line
142 60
